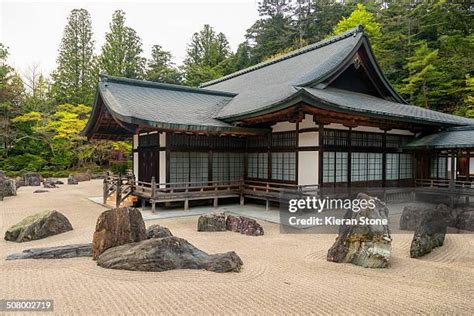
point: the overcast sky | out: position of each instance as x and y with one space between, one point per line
33 29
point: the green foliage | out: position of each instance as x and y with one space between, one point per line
74 79
205 56
360 16
422 74
121 167
121 53
161 68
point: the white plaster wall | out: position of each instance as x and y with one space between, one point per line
335 126
135 156
308 139
308 122
162 166
135 165
163 139
399 132
308 167
284 127
135 141
370 129
471 165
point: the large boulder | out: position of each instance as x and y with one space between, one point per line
116 227
465 220
47 184
38 226
211 222
82 176
7 186
20 182
244 225
72 180
57 252
157 231
430 232
32 179
411 216
162 254
364 244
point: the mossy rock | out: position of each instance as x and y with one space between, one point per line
38 226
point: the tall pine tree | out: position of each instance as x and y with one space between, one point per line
160 68
206 56
121 53
73 79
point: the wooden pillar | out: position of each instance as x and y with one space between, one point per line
105 188
384 158
153 194
118 191
453 172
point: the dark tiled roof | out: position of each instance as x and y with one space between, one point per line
163 103
366 104
262 88
460 137
263 85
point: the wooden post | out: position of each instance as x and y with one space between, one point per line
118 192
153 194
241 189
186 200
215 197
105 189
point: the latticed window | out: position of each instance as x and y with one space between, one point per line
361 139
284 166
393 166
189 167
374 166
198 164
257 165
359 167
396 141
335 137
149 140
439 167
227 166
260 141
179 167
285 139
334 167
406 166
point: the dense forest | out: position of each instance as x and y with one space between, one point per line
425 47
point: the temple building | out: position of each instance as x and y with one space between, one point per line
323 116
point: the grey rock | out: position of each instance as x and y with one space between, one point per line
40 191
465 220
211 222
117 227
162 254
363 244
72 180
430 232
244 225
58 252
157 231
32 179
38 226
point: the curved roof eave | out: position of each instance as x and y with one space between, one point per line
171 126
304 96
363 41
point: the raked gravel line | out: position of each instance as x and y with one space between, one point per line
282 274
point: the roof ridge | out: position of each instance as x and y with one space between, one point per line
294 53
168 86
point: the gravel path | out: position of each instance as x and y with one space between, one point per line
282 273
